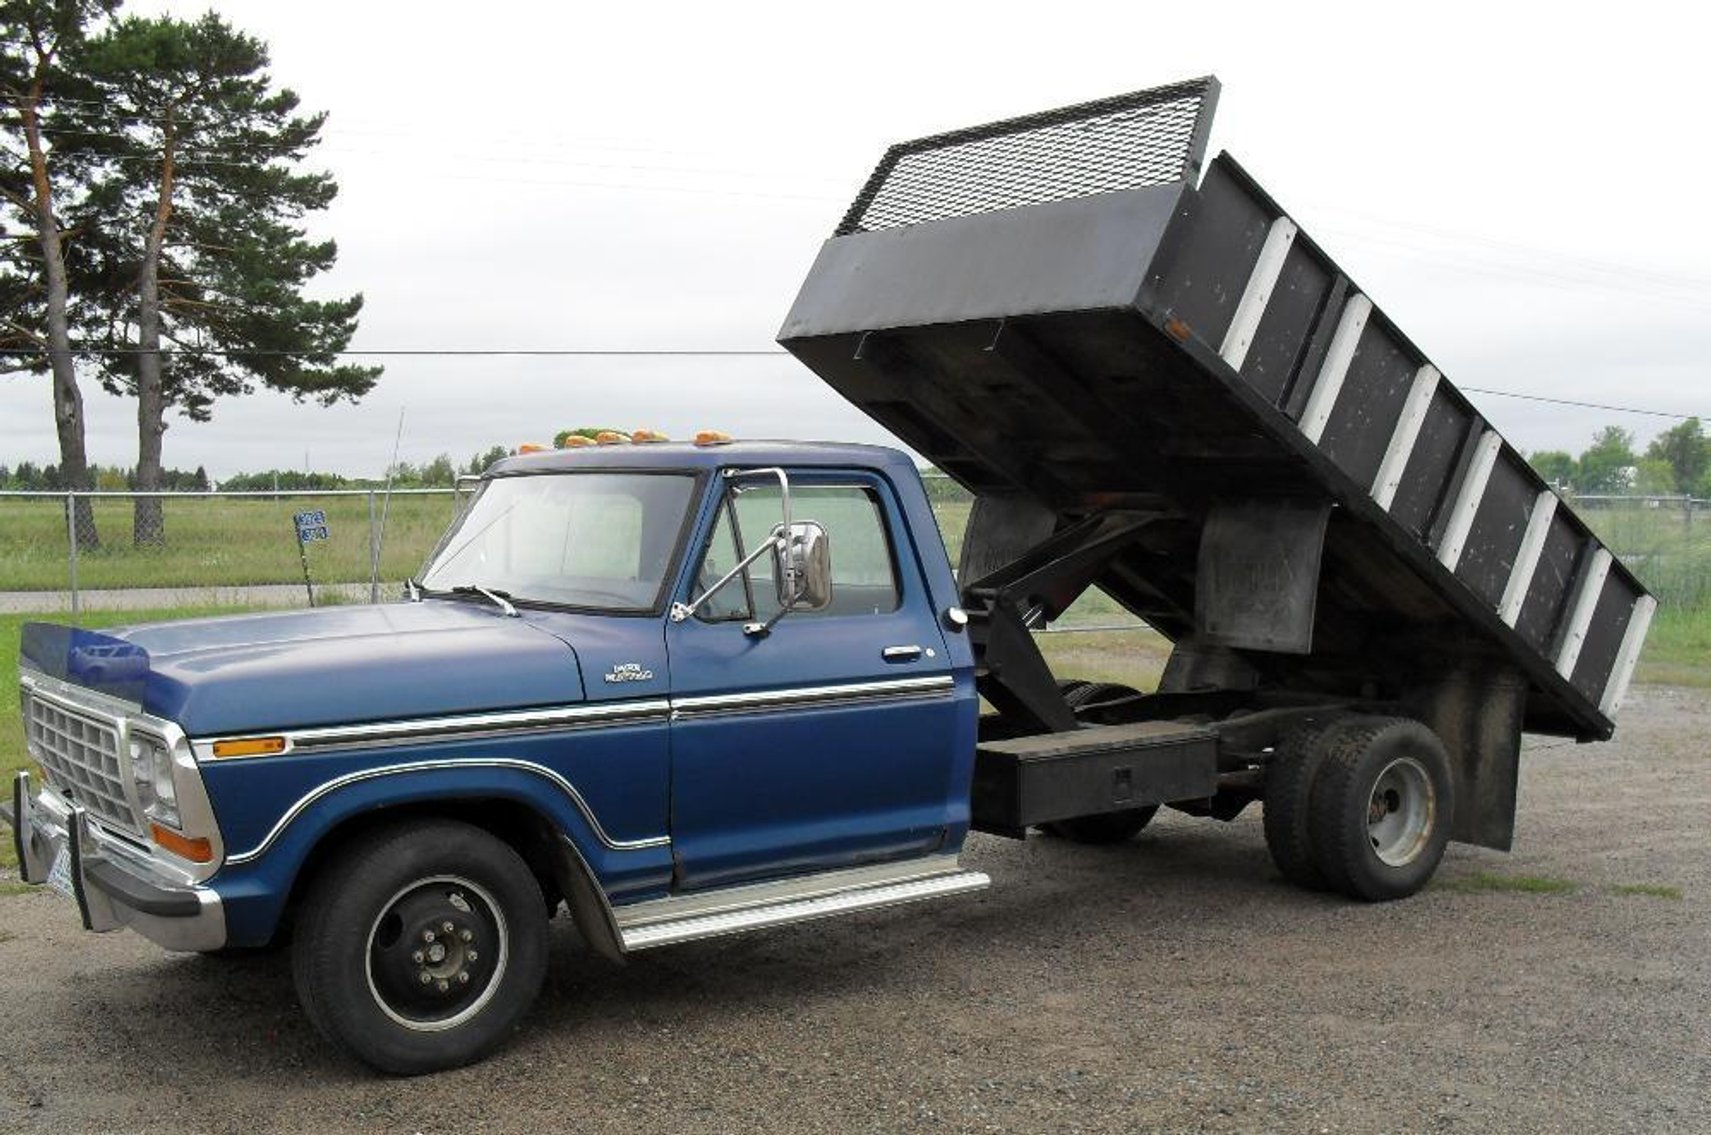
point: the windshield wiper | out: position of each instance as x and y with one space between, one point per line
500 599
412 592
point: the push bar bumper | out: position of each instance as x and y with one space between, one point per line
57 845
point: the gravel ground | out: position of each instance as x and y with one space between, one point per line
1173 985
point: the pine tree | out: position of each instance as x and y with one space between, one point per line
202 259
40 45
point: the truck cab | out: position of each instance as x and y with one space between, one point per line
689 689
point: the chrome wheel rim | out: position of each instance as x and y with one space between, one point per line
1401 812
436 953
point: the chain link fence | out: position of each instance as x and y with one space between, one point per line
63 551
71 551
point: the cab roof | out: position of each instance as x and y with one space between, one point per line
689 456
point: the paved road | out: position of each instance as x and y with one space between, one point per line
1174 984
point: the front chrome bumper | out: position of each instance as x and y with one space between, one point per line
114 885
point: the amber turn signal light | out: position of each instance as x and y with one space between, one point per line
249 747
195 850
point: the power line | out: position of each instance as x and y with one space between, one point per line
664 353
425 352
1582 405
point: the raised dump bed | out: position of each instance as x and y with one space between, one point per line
1071 317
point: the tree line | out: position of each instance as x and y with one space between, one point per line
30 477
441 472
151 227
1677 462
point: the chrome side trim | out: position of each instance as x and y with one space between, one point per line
1585 603
1468 497
1407 432
1616 688
1257 295
664 922
459 728
563 785
1527 557
851 693
1336 366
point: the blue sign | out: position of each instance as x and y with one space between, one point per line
311 526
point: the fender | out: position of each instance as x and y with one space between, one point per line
255 881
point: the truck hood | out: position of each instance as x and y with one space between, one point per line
334 665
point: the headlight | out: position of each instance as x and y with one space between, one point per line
151 770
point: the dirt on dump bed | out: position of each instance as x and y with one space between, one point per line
1173 984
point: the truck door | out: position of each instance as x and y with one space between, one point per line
828 742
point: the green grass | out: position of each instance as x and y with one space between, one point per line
1648 890
1489 882
8 889
215 541
1678 649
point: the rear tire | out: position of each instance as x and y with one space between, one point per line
1289 781
1381 808
419 949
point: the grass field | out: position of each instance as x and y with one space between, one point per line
224 541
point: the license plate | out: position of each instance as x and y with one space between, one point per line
59 875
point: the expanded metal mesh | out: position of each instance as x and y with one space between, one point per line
1151 137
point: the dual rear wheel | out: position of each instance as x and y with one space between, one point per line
1359 805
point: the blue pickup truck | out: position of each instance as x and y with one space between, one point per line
681 690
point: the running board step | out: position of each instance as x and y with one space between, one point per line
666 922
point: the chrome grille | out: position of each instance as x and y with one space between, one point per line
78 750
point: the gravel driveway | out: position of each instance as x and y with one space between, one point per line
1174 984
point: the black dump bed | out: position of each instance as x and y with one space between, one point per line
1065 310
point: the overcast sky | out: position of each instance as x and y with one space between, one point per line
1521 188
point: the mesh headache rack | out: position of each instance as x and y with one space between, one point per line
1152 137
1074 319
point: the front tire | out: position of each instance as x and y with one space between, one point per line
419 949
1381 808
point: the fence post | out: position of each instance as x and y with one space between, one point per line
373 553
71 534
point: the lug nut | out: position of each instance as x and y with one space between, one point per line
466 935
441 986
472 955
426 977
427 935
463 977
447 927
417 957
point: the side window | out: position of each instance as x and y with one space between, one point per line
864 578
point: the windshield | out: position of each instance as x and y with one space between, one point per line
601 540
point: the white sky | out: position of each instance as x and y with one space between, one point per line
1520 187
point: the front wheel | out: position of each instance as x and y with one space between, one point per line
420 949
1381 808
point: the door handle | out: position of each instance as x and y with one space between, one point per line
900 653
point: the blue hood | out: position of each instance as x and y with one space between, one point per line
334 665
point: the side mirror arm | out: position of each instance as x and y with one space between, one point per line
681 611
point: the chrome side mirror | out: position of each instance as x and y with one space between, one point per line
802 566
